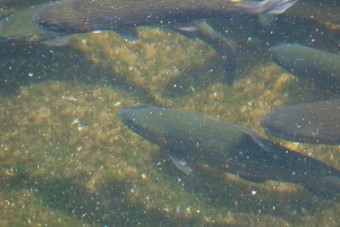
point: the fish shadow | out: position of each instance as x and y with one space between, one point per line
24 64
224 190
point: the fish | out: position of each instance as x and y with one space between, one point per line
320 67
314 122
20 27
76 16
192 141
226 51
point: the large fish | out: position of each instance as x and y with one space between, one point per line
74 16
192 140
89 15
315 122
20 27
320 67
225 50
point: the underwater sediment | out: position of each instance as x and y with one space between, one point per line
67 159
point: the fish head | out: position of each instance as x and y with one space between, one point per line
61 17
64 27
143 122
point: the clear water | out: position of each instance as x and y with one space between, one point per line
68 160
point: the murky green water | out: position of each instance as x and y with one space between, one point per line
67 160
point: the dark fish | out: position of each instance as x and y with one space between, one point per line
89 15
223 47
20 27
317 122
84 16
321 67
192 140
226 51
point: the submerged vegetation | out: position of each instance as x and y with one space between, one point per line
67 159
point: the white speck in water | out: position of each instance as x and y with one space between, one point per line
80 128
117 104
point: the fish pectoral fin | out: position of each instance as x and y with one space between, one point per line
180 162
187 29
262 143
57 41
269 149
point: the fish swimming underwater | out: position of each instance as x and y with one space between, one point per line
28 31
192 140
75 16
315 122
222 46
320 67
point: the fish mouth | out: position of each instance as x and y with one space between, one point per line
139 120
127 116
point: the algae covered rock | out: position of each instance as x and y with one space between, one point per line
67 159
159 63
64 142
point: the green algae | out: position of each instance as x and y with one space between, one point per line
20 206
66 159
153 67
69 144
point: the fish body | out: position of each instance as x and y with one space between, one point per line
320 67
315 122
192 140
76 16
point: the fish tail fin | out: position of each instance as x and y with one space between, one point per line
277 6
